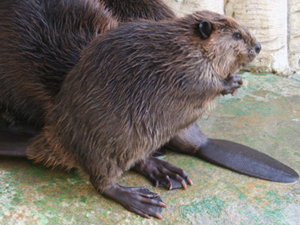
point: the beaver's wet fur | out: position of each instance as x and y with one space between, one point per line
40 42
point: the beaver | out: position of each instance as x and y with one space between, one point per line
160 78
192 141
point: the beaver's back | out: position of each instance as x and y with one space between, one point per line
40 42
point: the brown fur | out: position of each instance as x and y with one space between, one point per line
136 87
40 42
131 10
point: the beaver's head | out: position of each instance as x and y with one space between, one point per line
227 45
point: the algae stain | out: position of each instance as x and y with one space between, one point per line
105 214
274 210
188 209
278 200
209 166
186 164
17 200
242 196
174 201
297 154
83 199
211 205
276 215
262 73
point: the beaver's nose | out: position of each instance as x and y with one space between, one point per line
257 47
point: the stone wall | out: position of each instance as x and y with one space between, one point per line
275 23
294 33
182 7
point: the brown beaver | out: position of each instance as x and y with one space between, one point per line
133 89
192 141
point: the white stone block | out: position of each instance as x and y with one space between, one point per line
268 21
294 34
183 7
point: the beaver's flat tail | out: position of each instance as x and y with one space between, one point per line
246 160
13 145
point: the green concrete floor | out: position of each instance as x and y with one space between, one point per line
265 114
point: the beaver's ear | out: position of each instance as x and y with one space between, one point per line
205 29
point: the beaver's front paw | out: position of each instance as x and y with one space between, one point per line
231 84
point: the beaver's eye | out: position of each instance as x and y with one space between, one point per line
237 36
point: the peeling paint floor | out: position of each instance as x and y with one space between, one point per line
265 114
